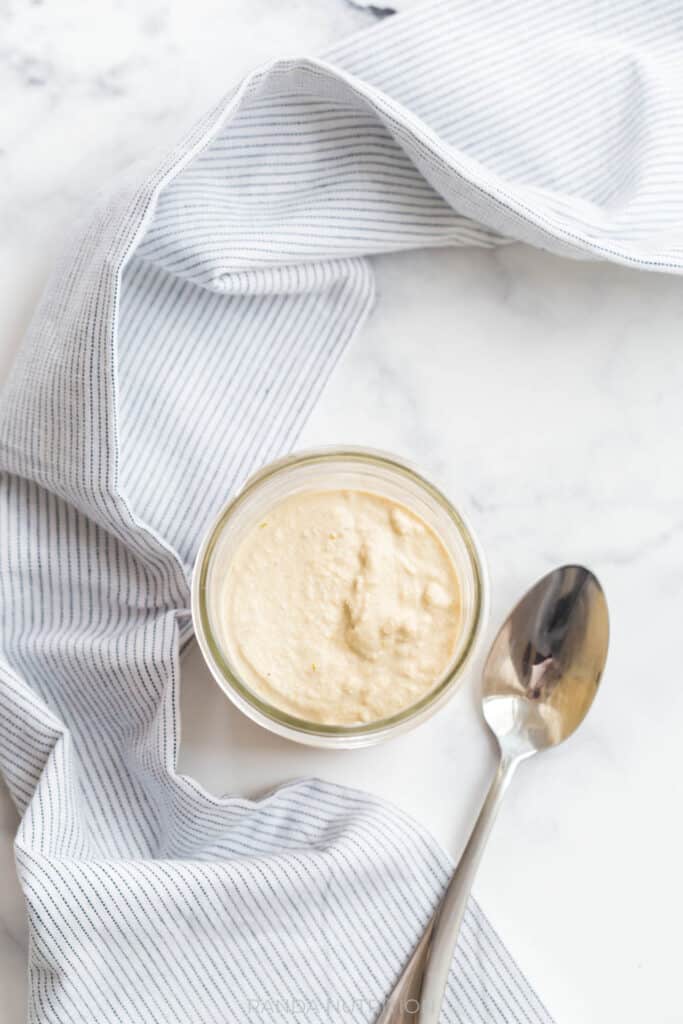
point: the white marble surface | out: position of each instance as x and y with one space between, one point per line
544 395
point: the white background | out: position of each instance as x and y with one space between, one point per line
544 396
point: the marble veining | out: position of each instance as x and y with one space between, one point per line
544 396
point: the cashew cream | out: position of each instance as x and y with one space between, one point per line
340 607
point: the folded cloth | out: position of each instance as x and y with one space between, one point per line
182 343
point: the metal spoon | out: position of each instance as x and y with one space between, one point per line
540 679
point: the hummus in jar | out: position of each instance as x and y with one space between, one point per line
340 607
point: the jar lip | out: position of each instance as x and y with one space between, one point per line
276 719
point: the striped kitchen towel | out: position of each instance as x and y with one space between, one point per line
182 343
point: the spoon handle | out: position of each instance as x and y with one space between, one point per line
452 910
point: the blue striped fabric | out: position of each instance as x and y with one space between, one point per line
181 344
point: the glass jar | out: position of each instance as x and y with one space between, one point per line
338 469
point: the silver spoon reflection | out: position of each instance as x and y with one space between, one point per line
540 679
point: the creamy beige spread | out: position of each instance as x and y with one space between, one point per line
341 607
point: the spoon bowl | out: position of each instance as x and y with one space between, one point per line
544 667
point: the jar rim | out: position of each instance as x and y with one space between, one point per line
269 715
